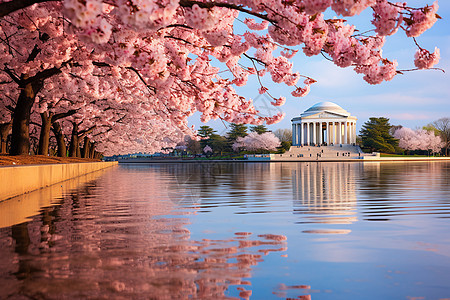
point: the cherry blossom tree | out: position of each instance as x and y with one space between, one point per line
175 58
57 85
266 141
207 149
418 140
442 126
406 138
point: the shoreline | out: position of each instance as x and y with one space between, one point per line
367 159
22 179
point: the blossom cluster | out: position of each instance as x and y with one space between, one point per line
137 69
423 59
418 140
254 141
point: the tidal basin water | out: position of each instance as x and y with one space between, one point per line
234 230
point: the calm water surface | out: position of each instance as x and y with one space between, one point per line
243 231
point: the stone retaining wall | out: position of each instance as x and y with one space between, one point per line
17 180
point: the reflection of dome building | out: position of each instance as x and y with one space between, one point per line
324 123
325 193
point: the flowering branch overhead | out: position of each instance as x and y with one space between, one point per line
155 58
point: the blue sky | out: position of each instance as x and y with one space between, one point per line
412 100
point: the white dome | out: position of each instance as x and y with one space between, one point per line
325 107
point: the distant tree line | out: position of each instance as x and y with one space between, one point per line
238 140
377 135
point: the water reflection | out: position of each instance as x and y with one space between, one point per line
325 192
393 190
321 192
109 240
19 209
207 231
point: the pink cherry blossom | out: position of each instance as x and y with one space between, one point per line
418 140
134 71
254 141
426 60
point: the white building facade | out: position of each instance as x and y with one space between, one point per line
324 123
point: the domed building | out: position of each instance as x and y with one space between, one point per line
324 123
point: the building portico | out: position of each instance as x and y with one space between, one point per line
324 123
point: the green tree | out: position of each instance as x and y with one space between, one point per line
218 143
375 136
236 130
259 129
443 127
285 146
205 131
430 127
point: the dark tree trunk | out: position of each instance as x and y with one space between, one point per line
5 128
20 141
44 137
78 148
86 146
92 150
74 147
62 150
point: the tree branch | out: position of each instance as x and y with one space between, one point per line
9 7
42 75
36 50
63 115
190 3
83 133
12 75
151 88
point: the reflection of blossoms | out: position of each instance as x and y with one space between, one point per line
136 246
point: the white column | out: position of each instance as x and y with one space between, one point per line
350 131
339 133
314 133
333 132
336 134
293 134
320 133
307 134
302 134
354 132
345 133
328 134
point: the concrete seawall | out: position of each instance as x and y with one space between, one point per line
19 180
